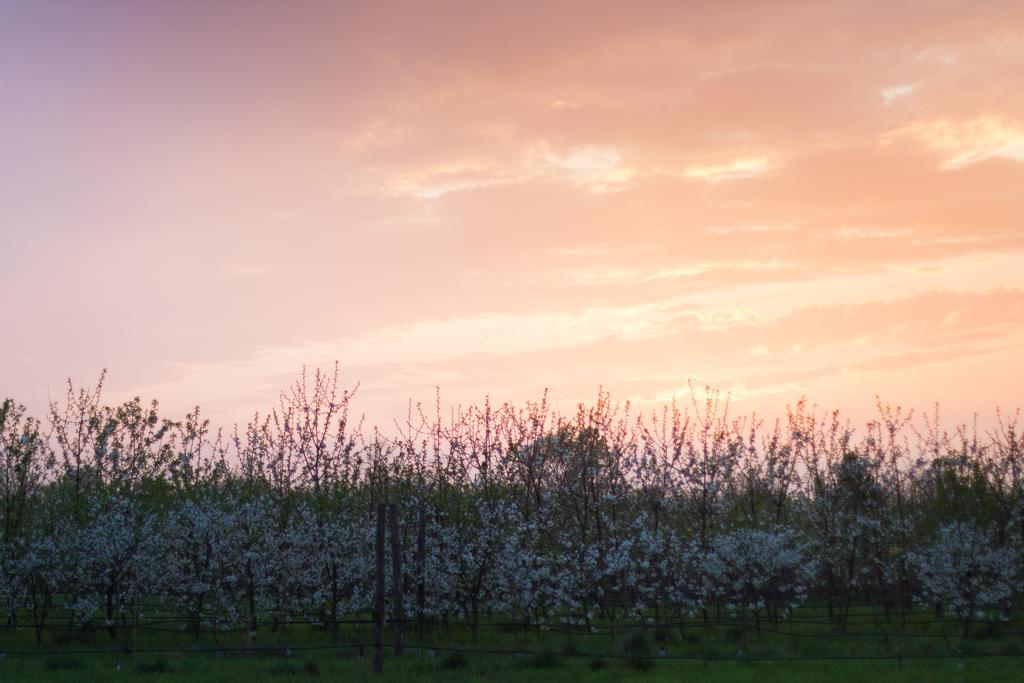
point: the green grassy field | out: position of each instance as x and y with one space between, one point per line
807 648
493 669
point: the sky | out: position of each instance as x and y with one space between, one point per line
820 199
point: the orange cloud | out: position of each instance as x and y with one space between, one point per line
773 198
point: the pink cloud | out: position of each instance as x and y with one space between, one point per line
769 197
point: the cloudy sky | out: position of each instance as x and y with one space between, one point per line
774 199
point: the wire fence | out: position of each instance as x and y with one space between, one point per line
279 651
594 631
1007 638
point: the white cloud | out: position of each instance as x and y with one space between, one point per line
603 275
732 170
598 169
748 228
590 167
966 142
895 92
582 251
857 233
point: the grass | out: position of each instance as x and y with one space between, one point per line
497 670
301 653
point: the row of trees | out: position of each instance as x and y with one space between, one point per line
114 515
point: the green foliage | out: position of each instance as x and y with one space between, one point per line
453 661
638 650
925 636
64 664
155 666
546 659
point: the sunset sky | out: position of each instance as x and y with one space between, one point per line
774 199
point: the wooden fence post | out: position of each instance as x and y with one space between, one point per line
397 609
378 594
421 558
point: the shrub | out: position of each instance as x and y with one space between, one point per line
453 661
547 659
156 666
